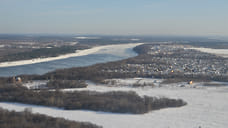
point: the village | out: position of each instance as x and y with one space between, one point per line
175 59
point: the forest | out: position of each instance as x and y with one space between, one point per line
42 53
25 119
117 102
61 84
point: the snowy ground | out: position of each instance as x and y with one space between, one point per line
219 52
132 81
207 107
36 84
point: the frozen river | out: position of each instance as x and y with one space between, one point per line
85 58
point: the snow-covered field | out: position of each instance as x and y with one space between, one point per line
219 52
98 49
37 84
132 82
207 107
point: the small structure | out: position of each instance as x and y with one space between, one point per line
17 80
190 82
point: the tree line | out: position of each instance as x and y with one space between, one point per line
117 102
25 119
42 52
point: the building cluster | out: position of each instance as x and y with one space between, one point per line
168 59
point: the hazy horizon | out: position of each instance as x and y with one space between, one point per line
129 17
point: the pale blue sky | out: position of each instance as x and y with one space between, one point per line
150 17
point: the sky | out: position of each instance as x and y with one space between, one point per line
115 17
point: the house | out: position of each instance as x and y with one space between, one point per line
17 79
190 82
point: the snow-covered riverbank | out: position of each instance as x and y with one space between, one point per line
207 107
219 52
78 53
